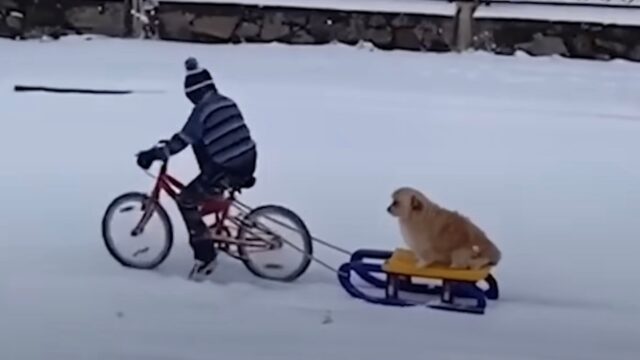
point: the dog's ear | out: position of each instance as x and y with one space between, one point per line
416 205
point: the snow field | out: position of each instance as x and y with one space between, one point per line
542 153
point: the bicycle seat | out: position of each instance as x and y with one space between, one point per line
237 184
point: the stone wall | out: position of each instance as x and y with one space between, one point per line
220 23
36 18
235 24
539 38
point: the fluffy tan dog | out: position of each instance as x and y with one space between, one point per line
440 236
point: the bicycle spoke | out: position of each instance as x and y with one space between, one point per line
144 250
273 266
126 209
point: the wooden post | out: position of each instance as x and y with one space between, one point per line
128 17
464 24
142 18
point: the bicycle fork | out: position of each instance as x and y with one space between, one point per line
148 211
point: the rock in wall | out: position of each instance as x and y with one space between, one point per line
11 18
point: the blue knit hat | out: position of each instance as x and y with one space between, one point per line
198 81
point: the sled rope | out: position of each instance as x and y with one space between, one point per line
312 257
246 208
304 253
320 241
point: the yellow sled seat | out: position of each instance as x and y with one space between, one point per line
403 262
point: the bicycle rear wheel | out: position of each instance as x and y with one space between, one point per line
280 261
157 233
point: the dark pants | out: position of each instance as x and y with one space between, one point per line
199 190
209 184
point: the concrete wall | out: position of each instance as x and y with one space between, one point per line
229 23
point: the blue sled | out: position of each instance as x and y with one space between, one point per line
449 291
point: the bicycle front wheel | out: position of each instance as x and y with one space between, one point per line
146 250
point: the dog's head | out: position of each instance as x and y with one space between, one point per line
406 202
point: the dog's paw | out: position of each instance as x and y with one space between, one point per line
458 266
421 263
478 264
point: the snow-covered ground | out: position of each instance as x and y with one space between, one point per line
542 153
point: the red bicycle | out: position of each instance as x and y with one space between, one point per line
236 230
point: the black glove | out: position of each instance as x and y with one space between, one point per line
147 157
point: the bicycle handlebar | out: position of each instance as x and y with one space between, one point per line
165 161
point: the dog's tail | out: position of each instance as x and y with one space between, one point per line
495 256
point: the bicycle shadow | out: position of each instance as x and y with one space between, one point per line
232 271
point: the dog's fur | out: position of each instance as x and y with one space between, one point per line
440 236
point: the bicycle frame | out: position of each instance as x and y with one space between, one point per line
218 207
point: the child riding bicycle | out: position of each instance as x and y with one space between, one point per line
225 152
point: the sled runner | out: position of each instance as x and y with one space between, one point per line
396 272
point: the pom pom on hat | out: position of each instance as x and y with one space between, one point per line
191 64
